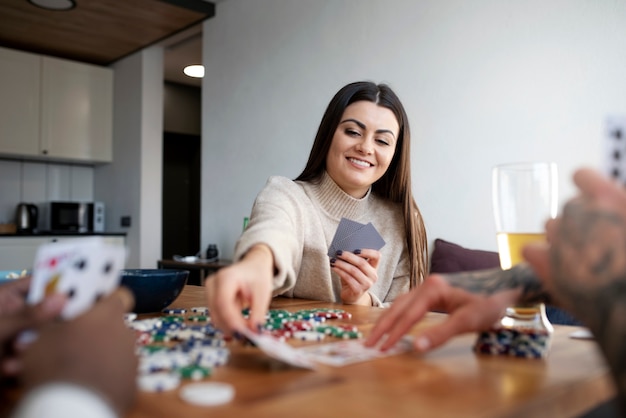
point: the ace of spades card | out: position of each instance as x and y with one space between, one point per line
352 235
84 270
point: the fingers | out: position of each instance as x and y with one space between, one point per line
31 316
225 304
477 313
406 311
259 304
592 183
537 255
124 297
396 322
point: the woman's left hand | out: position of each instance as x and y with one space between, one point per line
358 273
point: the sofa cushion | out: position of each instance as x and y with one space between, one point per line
448 257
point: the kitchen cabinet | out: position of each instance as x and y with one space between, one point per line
55 109
18 252
20 84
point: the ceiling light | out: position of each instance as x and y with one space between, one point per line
196 71
54 4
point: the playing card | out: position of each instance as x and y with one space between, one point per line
366 237
279 350
93 273
345 228
353 235
341 353
50 261
85 270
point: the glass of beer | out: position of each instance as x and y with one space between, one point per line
525 196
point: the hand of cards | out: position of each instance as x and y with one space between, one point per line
84 270
352 235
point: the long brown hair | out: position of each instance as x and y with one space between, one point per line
395 184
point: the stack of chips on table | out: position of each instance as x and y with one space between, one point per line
308 324
171 349
183 344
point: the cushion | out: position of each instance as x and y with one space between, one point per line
448 257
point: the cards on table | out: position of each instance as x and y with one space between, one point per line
342 353
84 269
336 354
352 235
279 350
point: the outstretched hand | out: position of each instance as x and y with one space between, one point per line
245 284
467 312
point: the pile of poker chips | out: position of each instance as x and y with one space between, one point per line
308 324
170 349
524 342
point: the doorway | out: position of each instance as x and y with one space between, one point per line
181 196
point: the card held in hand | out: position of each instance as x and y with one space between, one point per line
83 269
352 235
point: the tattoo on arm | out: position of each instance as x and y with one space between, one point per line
491 281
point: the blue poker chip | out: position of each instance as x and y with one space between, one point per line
178 311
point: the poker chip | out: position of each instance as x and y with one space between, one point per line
202 310
309 335
207 393
194 372
175 311
158 382
130 317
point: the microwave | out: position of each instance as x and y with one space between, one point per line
79 217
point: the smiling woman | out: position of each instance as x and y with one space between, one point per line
359 169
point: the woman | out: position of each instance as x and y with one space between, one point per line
359 169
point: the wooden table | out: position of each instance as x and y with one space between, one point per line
449 382
198 271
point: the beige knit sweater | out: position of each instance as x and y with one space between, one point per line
298 220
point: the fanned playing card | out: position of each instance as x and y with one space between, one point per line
342 353
351 235
85 270
279 350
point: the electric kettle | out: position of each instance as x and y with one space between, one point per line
26 218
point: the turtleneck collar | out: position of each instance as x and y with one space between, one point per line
335 201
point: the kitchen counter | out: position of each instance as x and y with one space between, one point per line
17 251
64 234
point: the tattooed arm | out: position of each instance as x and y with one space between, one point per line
521 277
585 266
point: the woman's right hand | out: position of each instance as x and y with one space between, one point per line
244 284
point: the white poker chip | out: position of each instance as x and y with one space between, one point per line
581 334
207 393
158 382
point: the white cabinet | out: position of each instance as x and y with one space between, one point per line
76 111
55 109
18 253
20 86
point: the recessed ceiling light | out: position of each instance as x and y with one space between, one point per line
54 4
196 71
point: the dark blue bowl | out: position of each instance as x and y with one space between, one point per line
154 289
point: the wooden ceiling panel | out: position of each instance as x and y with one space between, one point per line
97 31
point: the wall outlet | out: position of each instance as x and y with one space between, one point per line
125 221
615 148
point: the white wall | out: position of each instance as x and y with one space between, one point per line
131 185
483 82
